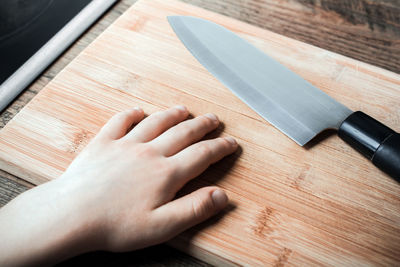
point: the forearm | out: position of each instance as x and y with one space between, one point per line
42 226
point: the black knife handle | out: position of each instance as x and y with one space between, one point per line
374 140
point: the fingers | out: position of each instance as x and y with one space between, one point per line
119 124
184 134
193 160
157 123
185 212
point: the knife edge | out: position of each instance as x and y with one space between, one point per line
262 103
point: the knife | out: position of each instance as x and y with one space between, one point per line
283 98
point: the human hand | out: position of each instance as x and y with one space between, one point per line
133 177
118 194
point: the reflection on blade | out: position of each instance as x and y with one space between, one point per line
283 98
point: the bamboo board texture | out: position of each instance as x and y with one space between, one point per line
322 204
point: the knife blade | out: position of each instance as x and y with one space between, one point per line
280 96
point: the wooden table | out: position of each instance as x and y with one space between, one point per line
368 31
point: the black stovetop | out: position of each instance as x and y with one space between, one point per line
26 25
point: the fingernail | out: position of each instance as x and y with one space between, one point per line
231 140
219 198
137 109
182 108
211 116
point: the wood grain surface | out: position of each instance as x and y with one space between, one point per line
323 204
362 29
369 31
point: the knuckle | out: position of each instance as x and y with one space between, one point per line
223 142
167 169
187 131
124 116
205 121
204 150
175 112
118 116
116 119
157 115
162 115
145 151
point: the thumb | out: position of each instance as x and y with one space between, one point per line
185 212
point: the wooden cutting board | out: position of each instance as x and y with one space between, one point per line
320 204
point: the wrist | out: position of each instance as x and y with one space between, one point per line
75 229
51 226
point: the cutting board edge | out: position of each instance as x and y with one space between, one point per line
22 173
217 258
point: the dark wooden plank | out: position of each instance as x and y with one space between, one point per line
10 187
367 30
157 256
